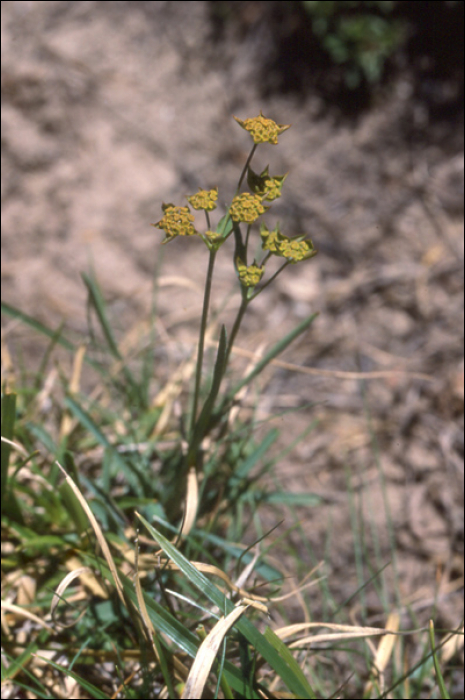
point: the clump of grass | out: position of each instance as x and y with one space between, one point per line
126 571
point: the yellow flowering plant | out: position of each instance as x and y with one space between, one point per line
269 188
293 249
245 210
177 221
263 130
204 199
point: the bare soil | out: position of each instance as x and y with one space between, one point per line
110 109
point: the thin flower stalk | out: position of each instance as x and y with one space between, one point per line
202 332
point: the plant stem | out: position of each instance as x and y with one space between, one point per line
206 303
273 277
203 328
237 323
247 163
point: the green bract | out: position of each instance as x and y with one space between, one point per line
213 240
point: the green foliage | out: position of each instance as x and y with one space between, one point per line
360 36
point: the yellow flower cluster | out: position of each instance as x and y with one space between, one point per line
273 189
293 249
271 240
296 251
204 199
177 221
249 276
246 207
268 187
213 236
263 130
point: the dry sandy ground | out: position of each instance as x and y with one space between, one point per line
110 109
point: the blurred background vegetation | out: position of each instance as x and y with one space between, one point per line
348 50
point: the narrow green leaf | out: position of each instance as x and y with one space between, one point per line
9 506
48 332
225 225
167 625
287 498
73 508
250 632
8 423
36 325
90 688
18 663
205 415
135 477
284 652
274 352
439 677
249 463
98 303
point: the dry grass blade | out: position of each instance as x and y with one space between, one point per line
179 668
58 595
215 571
244 576
192 502
334 373
147 623
170 392
207 652
451 646
383 653
68 423
341 632
289 630
15 445
17 610
337 637
99 535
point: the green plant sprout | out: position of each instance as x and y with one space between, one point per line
244 211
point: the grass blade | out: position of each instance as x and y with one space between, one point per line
248 464
93 691
247 628
98 304
36 325
135 477
47 332
439 677
8 423
274 352
9 506
282 649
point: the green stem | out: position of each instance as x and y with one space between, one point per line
247 163
247 236
237 324
206 303
273 277
203 328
